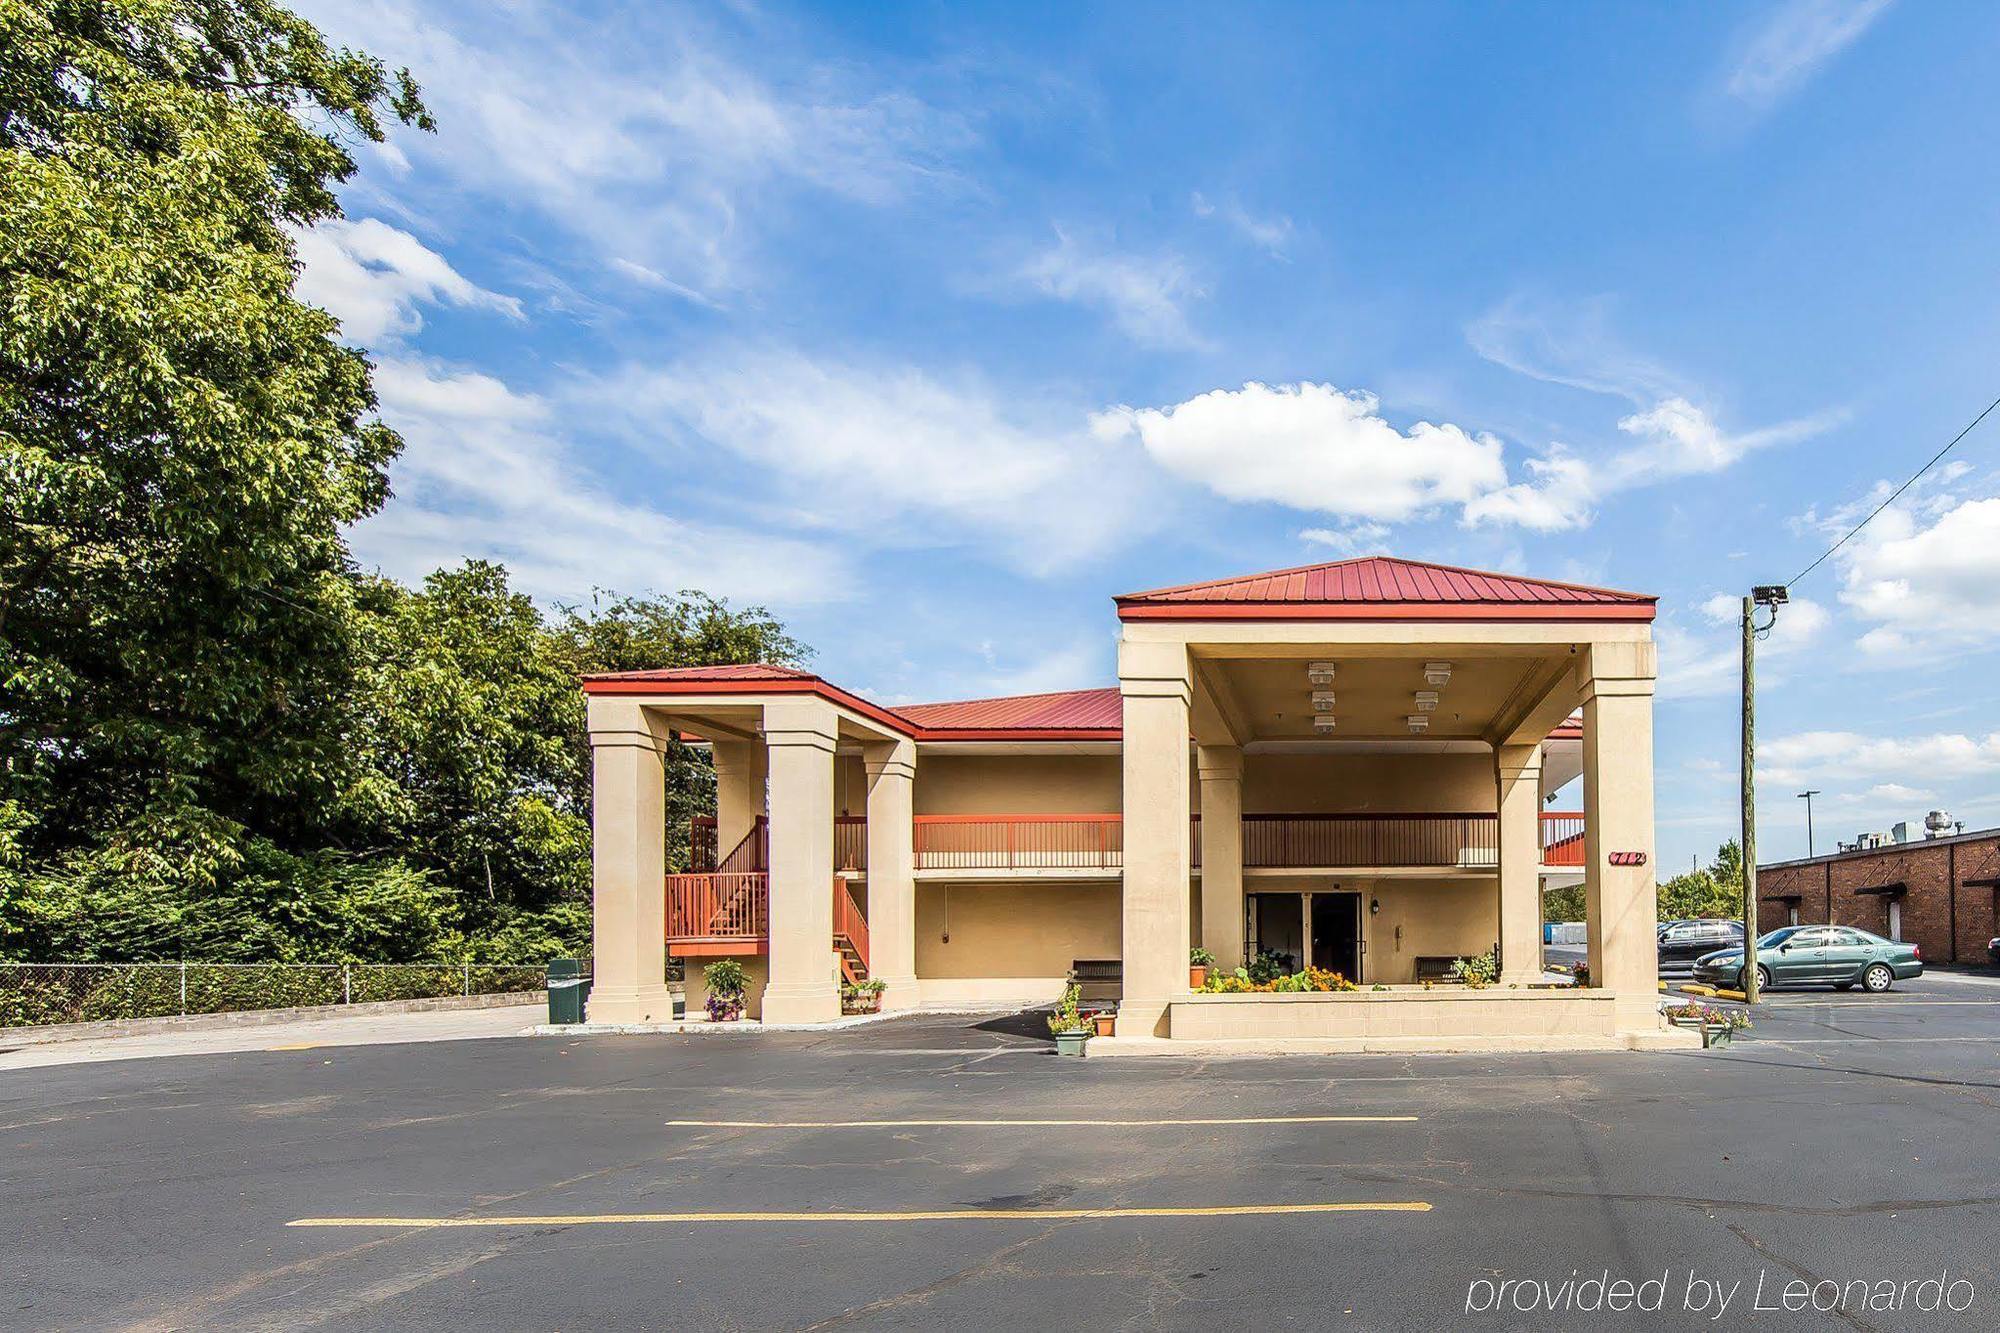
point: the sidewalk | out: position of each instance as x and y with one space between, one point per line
345 1030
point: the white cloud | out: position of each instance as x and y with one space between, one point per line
891 455
1699 663
487 472
1312 446
372 277
1266 233
1560 495
629 130
1350 540
1781 53
1145 295
1907 760
1672 436
1926 585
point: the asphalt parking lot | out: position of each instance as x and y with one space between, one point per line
797 1181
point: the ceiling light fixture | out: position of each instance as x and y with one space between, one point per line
1437 674
1320 673
1426 700
1419 722
1322 701
1323 723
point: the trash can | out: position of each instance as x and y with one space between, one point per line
568 989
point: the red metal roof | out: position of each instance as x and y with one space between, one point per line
1067 710
1380 588
1069 715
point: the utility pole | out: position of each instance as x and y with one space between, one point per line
1772 596
1807 796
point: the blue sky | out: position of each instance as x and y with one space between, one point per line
934 326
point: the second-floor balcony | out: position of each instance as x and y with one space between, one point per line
1086 843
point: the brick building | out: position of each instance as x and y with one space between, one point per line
1941 894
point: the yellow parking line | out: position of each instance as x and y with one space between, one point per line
296 1046
1039 1124
920 1215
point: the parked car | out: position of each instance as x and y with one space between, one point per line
1837 956
1993 951
1681 942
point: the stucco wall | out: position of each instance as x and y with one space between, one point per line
1435 917
1083 784
1014 930
1363 783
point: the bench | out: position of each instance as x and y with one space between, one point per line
1436 968
1099 980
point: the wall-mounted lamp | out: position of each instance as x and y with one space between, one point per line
1374 906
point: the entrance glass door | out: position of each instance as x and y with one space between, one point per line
1336 933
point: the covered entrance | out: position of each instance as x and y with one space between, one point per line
1316 927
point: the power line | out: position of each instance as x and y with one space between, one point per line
1896 494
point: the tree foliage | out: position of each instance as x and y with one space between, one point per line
217 739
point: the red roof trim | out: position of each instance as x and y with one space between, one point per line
1632 612
683 681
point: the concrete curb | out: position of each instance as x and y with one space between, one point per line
142 1027
704 1028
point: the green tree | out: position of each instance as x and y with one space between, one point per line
181 439
643 633
463 723
1716 890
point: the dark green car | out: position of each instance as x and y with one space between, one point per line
1837 956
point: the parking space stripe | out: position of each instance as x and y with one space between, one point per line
1041 1124
917 1215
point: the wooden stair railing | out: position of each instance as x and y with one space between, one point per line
850 933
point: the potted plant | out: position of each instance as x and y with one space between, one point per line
1068 1025
862 997
726 981
1105 1020
1199 961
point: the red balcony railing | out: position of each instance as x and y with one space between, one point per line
1287 841
718 909
1562 838
1019 842
753 853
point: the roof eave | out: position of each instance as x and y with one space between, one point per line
1638 612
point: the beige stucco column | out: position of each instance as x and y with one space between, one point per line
740 775
891 769
1518 773
628 866
1220 770
801 734
1616 682
1153 678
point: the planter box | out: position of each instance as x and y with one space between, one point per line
1071 1043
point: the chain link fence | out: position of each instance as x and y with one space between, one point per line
32 994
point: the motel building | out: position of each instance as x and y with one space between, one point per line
1348 764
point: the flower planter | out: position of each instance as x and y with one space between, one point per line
862 1004
1685 1022
1716 1034
1196 976
1071 1043
724 1011
1104 1022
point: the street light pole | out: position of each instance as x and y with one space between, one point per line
1807 796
